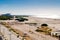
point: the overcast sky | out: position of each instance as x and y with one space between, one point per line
41 8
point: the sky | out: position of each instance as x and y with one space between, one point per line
40 8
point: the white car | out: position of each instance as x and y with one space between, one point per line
55 33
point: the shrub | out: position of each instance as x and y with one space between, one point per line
39 30
44 25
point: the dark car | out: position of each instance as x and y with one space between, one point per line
1 38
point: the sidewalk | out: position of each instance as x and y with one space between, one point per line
8 34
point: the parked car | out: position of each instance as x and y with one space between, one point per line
55 33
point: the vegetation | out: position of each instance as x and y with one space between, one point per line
9 17
44 25
5 17
20 16
45 29
22 19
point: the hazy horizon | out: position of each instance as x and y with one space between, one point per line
40 8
